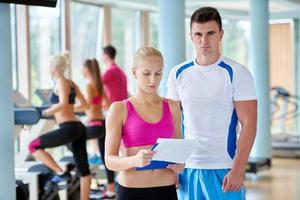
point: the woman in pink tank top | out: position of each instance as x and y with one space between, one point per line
95 129
132 128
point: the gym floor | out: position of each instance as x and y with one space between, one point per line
282 182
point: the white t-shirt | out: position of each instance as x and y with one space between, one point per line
207 95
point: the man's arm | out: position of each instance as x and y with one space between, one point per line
247 115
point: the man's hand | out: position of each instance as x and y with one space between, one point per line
233 181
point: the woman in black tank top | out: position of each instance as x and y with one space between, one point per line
54 99
71 131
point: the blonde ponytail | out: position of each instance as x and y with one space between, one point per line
60 62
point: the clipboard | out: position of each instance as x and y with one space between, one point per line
169 151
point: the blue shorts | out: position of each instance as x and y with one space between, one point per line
205 184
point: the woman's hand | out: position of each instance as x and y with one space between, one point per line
177 168
143 158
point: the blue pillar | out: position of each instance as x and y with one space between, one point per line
297 66
259 62
7 178
171 36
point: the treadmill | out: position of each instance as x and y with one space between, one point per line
284 144
33 172
26 115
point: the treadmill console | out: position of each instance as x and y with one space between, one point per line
24 113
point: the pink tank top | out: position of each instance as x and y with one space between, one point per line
137 132
96 100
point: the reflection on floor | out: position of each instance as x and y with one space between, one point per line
282 182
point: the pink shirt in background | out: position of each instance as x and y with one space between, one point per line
115 83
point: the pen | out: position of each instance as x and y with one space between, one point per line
153 147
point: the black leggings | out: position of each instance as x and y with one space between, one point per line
157 193
98 132
72 134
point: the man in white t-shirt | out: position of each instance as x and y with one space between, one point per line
215 93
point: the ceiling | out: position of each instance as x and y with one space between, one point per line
279 9
241 8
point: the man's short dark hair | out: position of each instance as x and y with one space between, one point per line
206 14
110 51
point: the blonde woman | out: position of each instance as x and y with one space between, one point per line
71 131
133 126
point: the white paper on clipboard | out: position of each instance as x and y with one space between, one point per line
173 150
